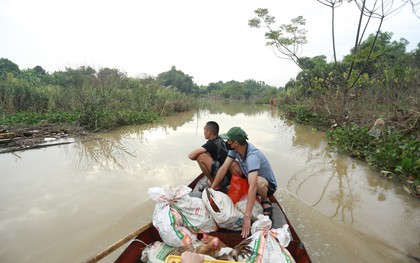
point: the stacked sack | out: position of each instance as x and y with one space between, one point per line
269 244
179 217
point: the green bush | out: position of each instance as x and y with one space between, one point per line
32 118
392 151
352 140
93 100
128 117
303 115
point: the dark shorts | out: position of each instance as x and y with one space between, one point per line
214 168
271 189
213 171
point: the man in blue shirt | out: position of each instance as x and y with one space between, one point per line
245 160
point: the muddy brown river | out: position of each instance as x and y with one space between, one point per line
66 203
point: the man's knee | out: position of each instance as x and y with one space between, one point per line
234 168
202 158
262 185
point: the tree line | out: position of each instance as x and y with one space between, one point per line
377 82
106 98
92 99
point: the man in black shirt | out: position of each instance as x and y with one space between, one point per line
211 155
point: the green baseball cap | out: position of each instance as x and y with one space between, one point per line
235 134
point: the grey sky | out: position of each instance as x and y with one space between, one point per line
209 40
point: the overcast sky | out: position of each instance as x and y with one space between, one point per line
208 40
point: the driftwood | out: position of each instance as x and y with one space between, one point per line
26 139
26 133
7 135
16 149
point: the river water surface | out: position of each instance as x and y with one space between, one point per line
66 203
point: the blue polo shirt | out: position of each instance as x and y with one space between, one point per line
254 160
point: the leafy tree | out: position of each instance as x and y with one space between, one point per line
384 54
416 56
254 88
7 66
76 77
39 70
233 89
214 87
177 79
240 90
59 78
289 38
111 77
94 100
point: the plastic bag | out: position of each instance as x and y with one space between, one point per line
256 210
238 188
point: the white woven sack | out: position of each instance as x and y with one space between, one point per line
194 214
267 243
156 252
167 220
229 217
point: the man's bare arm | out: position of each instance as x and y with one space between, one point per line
194 154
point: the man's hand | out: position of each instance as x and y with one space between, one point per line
246 226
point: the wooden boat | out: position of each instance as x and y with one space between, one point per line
148 234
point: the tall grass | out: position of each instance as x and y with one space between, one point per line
94 102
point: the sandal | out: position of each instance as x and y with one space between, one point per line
267 211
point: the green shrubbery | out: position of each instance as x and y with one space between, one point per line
302 115
90 99
392 151
379 79
32 118
395 152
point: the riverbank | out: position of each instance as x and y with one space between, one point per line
25 137
390 144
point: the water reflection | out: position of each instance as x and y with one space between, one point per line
115 149
178 120
304 137
343 197
324 174
104 153
233 108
